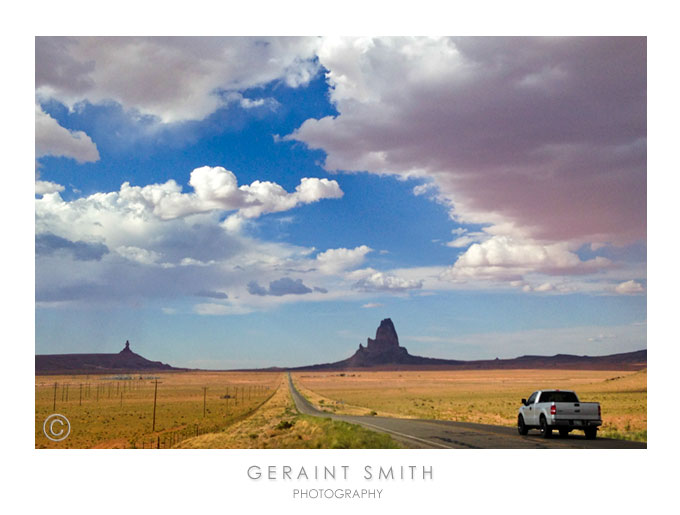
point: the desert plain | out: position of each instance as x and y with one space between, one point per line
254 409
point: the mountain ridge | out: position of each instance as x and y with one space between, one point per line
380 353
385 353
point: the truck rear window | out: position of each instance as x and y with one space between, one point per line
558 397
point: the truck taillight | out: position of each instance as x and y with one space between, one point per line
553 409
599 411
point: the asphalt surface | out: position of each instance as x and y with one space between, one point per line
445 434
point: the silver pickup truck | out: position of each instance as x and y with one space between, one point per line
558 409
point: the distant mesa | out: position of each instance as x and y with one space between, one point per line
122 362
384 353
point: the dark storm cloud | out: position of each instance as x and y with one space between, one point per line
288 286
254 288
200 241
47 244
211 294
280 287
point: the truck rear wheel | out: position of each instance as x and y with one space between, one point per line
521 427
546 432
591 433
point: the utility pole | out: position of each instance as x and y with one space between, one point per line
80 399
54 403
205 389
153 428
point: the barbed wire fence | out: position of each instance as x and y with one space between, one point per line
111 392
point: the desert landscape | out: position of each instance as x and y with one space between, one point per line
255 410
193 410
485 396
117 411
161 406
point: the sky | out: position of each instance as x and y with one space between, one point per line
253 202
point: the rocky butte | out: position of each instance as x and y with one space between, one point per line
381 350
384 352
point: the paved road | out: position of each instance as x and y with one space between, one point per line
444 434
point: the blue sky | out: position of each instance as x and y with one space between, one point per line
249 202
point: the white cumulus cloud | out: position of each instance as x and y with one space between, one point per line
51 139
466 238
139 255
215 188
629 288
373 280
506 258
166 243
43 187
336 260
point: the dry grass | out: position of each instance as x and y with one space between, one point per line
490 396
329 405
101 420
277 425
484 396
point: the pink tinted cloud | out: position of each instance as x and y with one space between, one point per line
546 135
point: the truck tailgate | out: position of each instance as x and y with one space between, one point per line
577 410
